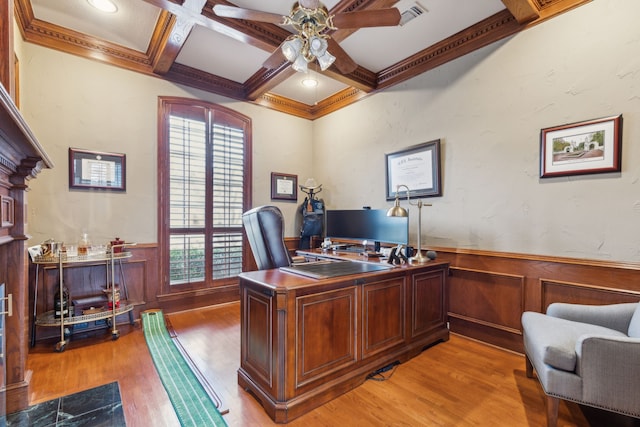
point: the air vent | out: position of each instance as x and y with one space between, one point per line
412 13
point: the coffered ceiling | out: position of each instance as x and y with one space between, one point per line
185 42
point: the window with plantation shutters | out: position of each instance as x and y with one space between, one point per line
204 174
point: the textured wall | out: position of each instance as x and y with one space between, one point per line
73 102
488 108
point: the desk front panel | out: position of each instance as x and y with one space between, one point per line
306 341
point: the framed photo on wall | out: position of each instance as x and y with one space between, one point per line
589 147
96 170
284 186
417 167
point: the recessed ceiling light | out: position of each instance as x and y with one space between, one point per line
104 5
309 82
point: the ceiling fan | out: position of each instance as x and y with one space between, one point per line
311 20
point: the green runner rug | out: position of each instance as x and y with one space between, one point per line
191 402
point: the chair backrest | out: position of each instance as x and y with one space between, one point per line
264 226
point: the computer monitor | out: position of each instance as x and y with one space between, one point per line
367 224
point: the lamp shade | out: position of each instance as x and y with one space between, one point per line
317 46
397 210
291 48
300 64
325 60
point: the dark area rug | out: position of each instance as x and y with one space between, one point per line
97 407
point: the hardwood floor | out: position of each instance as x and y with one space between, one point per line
457 383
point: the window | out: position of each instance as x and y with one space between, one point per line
204 187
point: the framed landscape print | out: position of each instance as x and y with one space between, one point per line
589 147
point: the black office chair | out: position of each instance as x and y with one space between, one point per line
265 230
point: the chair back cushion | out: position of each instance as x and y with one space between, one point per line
634 325
264 226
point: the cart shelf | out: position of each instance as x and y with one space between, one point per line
102 257
49 319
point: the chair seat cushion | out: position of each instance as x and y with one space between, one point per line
554 340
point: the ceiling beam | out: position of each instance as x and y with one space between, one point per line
523 10
170 42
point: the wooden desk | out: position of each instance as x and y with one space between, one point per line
306 341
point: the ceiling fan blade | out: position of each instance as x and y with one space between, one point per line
309 4
248 14
274 60
367 18
343 61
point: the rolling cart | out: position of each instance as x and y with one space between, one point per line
49 318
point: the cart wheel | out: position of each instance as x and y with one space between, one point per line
109 323
115 335
61 346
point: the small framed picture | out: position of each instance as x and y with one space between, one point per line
96 170
589 147
284 186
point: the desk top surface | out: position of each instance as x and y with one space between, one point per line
360 267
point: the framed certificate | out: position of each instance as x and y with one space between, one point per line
96 170
417 167
284 186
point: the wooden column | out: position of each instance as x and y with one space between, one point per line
7 56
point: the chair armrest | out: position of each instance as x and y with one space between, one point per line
612 316
610 368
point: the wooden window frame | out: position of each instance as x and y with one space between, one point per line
165 106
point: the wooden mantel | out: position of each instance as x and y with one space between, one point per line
21 159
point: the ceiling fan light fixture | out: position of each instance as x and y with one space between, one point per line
325 60
318 46
291 48
300 64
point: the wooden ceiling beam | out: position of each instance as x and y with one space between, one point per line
523 10
171 32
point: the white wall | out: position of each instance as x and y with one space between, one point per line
74 102
488 109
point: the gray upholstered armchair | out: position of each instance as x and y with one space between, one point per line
586 354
